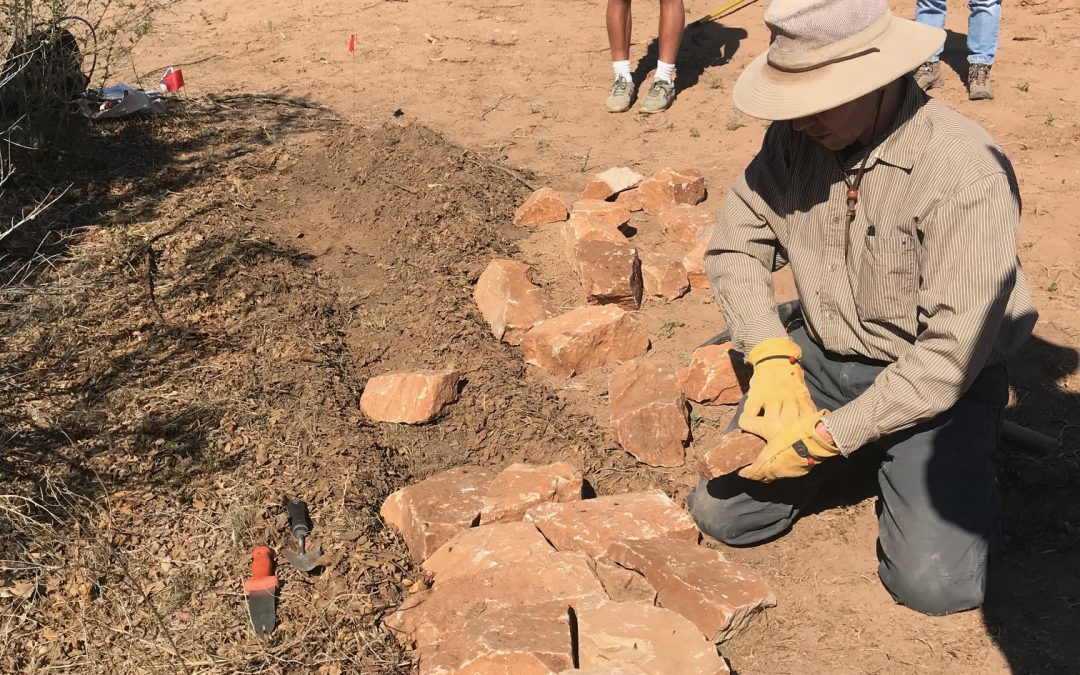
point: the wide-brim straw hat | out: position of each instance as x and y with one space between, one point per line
825 53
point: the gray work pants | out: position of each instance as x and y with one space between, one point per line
938 508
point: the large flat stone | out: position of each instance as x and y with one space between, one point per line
519 487
734 450
711 376
685 224
480 548
428 617
541 207
668 187
519 640
583 339
648 413
509 302
429 513
593 525
717 595
613 635
607 213
610 273
623 585
410 397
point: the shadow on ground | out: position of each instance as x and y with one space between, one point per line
705 46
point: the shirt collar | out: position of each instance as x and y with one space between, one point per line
905 138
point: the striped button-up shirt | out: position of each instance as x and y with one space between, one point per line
926 278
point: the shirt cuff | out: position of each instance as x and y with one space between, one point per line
851 427
757 330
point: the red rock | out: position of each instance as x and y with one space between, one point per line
610 273
648 413
685 224
410 398
543 206
580 227
735 450
596 189
694 262
583 339
480 548
593 525
429 513
508 301
711 376
519 487
614 635
526 640
623 585
631 199
606 213
717 595
666 279
668 187
428 617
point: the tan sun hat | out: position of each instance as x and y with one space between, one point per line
825 53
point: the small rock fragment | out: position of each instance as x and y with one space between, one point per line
735 450
427 617
694 262
596 189
607 213
685 224
581 227
429 513
525 640
519 487
711 376
610 273
508 301
648 413
620 178
616 635
410 398
668 187
717 595
665 279
593 525
541 207
480 548
583 339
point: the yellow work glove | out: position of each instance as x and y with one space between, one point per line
778 394
792 452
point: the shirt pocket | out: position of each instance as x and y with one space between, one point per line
886 280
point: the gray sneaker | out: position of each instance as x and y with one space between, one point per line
928 75
661 94
979 87
620 98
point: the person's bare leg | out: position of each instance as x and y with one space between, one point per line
672 22
618 28
662 90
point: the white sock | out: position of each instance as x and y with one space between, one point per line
622 69
664 71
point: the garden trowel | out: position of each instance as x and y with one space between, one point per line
261 592
300 524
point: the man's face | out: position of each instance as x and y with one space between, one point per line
841 126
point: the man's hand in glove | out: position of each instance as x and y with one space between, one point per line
792 452
778 395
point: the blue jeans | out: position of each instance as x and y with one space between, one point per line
984 23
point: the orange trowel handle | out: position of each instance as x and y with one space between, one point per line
261 579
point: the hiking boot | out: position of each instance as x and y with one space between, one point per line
979 87
661 94
622 91
928 75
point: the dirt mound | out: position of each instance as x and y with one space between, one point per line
176 376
